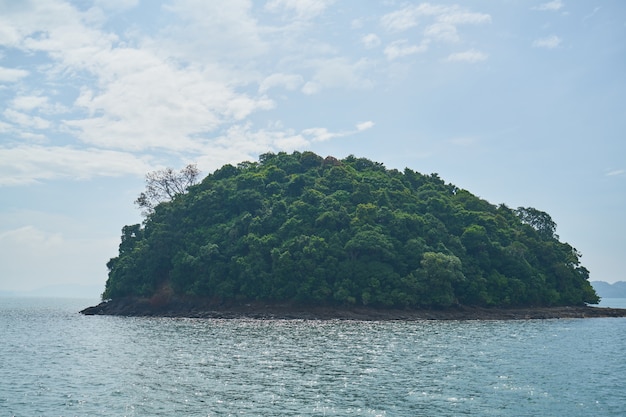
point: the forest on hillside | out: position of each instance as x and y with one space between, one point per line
303 229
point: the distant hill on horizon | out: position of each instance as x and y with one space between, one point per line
608 290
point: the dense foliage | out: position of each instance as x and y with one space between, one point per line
300 228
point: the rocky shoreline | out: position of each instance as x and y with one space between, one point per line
200 308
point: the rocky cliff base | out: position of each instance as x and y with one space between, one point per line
201 308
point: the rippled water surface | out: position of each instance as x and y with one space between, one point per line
55 362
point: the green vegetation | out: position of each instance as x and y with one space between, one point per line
303 229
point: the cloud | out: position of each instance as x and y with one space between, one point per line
592 14
409 16
615 173
116 4
210 32
288 81
242 142
25 120
550 42
364 125
30 102
471 56
10 75
321 134
550 6
29 164
402 48
442 31
371 40
337 72
301 9
457 16
5 127
102 96
441 26
140 98
156 104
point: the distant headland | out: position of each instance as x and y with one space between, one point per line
607 290
298 235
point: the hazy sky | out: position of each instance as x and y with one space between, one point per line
520 102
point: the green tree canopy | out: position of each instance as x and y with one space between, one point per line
304 229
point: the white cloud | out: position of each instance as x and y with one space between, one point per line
615 172
321 134
33 137
592 14
116 4
156 94
154 104
10 75
456 16
364 125
409 16
441 26
288 81
30 164
442 31
26 120
550 42
550 6
302 9
242 142
402 48
61 31
471 56
212 32
28 103
371 40
174 90
5 127
337 72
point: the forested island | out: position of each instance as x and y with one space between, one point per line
299 231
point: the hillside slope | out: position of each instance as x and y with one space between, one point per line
306 230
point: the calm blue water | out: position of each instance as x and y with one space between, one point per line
55 362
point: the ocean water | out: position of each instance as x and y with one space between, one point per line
56 362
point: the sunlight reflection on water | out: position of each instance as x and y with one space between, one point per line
57 362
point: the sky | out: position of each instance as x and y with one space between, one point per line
520 102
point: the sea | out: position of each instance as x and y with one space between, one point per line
57 362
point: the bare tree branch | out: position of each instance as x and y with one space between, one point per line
164 185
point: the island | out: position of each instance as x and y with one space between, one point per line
302 236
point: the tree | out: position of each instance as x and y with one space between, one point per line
439 274
295 229
164 185
538 220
